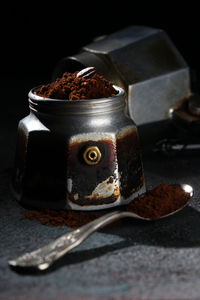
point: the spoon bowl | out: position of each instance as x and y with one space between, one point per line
188 189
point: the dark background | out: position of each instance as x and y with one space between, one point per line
35 37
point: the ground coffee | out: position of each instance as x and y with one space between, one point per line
155 203
68 218
85 84
158 202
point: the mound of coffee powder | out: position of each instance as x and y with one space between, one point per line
85 84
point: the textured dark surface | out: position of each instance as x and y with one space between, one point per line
132 260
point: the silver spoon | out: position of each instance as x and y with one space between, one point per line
42 258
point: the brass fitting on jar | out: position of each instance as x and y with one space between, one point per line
92 155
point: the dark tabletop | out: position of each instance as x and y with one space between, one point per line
132 260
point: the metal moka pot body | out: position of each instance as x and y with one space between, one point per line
81 155
144 62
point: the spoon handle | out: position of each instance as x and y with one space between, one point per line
43 258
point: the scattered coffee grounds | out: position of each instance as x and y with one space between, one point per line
69 218
85 84
155 203
158 202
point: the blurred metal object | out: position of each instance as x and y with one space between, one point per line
185 115
174 146
194 105
144 62
185 118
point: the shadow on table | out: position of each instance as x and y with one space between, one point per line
181 230
184 168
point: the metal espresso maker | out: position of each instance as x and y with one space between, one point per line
156 79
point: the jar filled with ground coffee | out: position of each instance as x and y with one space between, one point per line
77 149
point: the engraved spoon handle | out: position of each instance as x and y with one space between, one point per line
44 257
